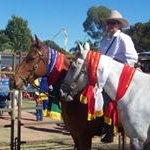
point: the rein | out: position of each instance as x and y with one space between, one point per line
38 88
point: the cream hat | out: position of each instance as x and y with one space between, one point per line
115 15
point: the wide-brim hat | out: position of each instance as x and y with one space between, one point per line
115 15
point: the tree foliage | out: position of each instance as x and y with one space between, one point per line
4 41
93 24
17 37
140 34
18 34
95 28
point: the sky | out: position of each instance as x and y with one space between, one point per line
48 18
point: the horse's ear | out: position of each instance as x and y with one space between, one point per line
84 50
32 39
36 38
38 42
87 46
81 49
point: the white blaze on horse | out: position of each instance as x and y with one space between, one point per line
133 104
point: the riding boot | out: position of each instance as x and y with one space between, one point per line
109 136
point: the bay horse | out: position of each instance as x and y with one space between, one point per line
40 62
127 87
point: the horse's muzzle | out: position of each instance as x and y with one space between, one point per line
65 97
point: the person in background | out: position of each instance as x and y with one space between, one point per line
43 95
120 47
4 90
15 99
47 97
39 105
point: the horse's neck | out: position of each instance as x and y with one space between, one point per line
111 84
57 76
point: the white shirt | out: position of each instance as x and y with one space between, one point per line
122 48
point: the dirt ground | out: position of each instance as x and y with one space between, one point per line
45 136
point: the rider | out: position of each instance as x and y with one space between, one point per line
120 47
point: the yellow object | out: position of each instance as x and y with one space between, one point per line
42 97
45 113
36 82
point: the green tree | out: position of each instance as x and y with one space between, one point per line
93 25
95 28
140 34
19 34
4 41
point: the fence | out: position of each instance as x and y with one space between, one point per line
11 59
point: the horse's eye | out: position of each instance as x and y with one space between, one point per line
73 66
29 58
79 63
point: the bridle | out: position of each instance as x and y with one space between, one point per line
32 72
72 87
82 71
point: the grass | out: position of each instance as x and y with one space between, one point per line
28 102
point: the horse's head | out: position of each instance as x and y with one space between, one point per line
77 76
32 66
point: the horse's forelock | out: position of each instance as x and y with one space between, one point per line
36 43
36 46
